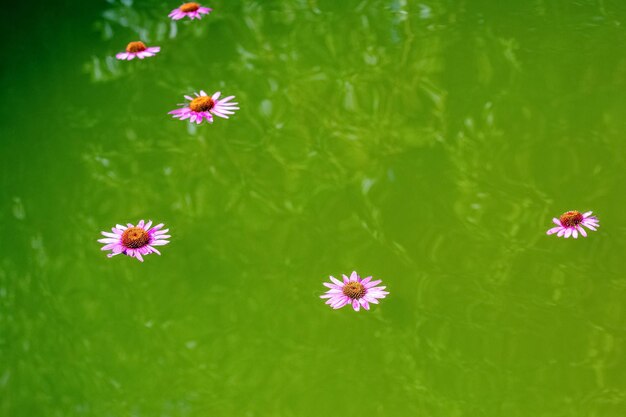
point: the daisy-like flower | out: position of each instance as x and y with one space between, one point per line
138 49
354 290
135 241
192 10
203 106
571 223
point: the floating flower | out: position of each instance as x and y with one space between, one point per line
138 49
192 10
354 290
204 107
571 223
135 240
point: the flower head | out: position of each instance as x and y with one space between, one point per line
135 241
203 106
571 223
354 290
191 10
138 49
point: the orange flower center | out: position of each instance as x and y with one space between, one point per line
189 7
135 237
571 218
202 103
136 47
354 290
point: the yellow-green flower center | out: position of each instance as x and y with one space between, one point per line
135 237
136 47
202 103
354 290
571 218
189 7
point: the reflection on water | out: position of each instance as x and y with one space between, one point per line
428 144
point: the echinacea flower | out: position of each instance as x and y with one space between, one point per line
138 49
135 241
192 10
354 290
571 223
204 106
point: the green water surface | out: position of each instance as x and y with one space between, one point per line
427 143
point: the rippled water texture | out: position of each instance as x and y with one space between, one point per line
428 144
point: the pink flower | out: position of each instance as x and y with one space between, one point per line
354 290
135 240
138 49
192 10
571 223
204 107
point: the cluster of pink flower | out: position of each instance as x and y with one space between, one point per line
139 49
140 240
202 106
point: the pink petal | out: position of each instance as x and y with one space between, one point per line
336 281
342 302
219 114
381 294
109 240
371 299
372 283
